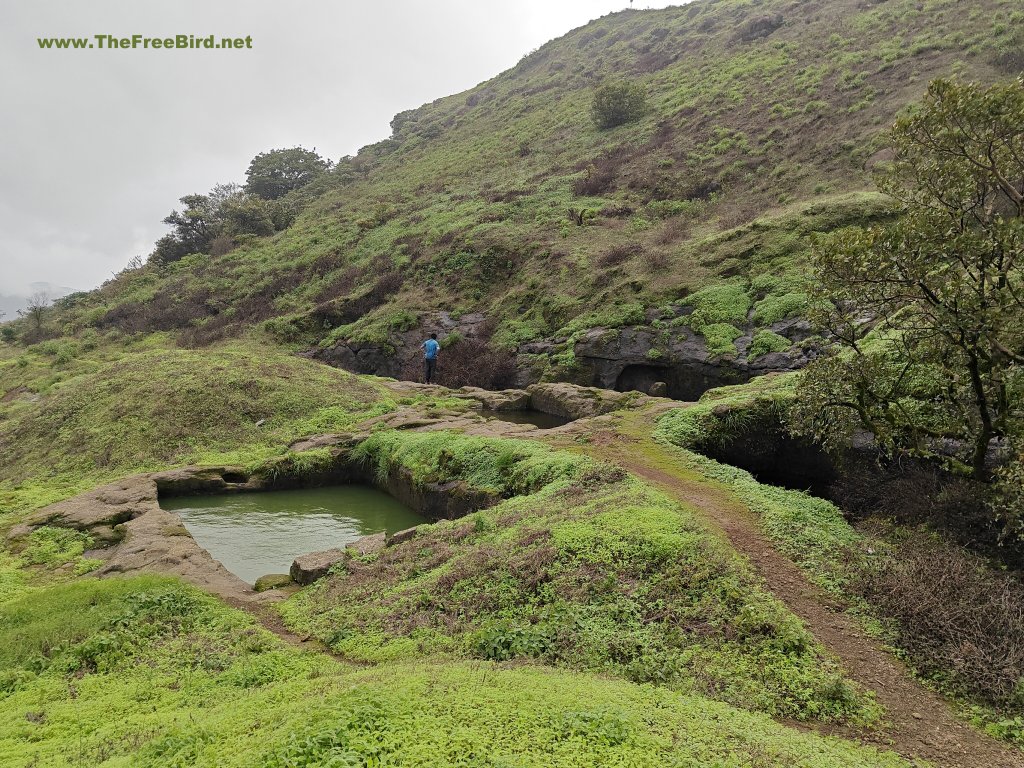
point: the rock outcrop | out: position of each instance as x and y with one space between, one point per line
571 401
314 566
140 535
273 581
388 359
669 357
498 400
675 362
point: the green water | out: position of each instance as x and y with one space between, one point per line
254 534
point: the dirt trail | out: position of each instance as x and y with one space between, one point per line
919 724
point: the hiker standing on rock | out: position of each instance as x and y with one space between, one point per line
430 348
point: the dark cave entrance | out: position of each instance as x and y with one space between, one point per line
685 383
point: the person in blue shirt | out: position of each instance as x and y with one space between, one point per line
430 348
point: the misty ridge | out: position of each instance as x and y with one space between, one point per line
12 303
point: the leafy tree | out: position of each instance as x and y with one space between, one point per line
192 228
617 103
207 223
277 172
928 311
247 214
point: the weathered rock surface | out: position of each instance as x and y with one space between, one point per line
309 568
367 545
673 359
273 581
498 400
436 501
381 359
571 401
144 537
187 480
399 537
638 358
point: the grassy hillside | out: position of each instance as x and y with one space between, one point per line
755 110
75 415
151 673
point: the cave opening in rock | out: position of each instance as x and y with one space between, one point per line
775 458
686 383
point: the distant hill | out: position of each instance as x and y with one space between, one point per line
506 204
10 304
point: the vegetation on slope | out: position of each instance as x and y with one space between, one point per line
149 672
589 570
76 415
955 616
507 199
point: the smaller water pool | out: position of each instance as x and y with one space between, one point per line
539 419
254 534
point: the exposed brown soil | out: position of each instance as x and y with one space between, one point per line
919 724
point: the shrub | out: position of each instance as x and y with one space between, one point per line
619 254
718 304
960 622
599 175
617 103
771 309
720 338
467 362
765 342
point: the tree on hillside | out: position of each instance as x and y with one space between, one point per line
192 229
928 312
35 310
210 223
617 103
277 172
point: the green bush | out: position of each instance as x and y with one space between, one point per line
720 338
617 103
718 304
771 309
765 342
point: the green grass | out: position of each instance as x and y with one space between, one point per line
588 571
146 671
812 531
107 415
718 304
765 342
504 467
724 411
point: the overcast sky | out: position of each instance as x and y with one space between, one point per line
98 145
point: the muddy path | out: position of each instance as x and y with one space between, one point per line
918 724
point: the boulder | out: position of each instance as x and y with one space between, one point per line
273 581
500 400
658 389
367 545
571 401
308 568
399 536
